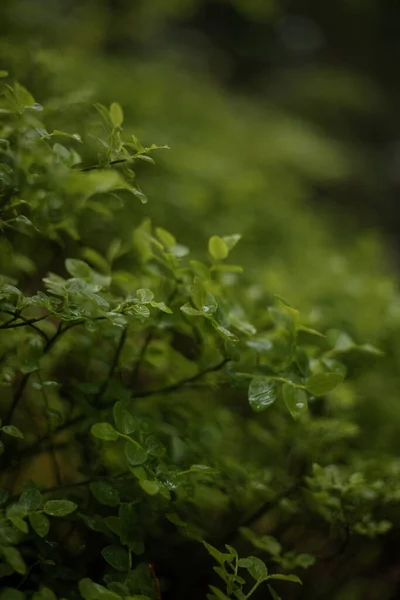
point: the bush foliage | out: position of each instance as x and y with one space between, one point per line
172 424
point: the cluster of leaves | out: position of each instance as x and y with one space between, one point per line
133 377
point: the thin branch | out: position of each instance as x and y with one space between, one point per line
149 338
25 378
24 323
111 163
113 366
53 453
258 513
33 449
182 382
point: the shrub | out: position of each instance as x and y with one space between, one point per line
152 400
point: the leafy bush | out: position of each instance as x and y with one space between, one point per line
152 399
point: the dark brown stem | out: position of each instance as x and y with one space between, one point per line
33 449
114 364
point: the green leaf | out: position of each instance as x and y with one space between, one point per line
104 431
255 567
59 508
13 431
150 487
295 400
305 560
218 248
231 240
322 383
94 591
262 393
145 296
264 542
115 524
31 499
19 524
204 469
135 454
218 594
3 73
226 334
105 493
220 557
117 557
123 419
189 310
14 558
116 114
40 524
161 306
11 594
44 593
78 268
154 447
5 570
165 237
292 578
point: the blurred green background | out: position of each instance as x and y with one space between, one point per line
282 119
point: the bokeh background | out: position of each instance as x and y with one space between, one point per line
283 123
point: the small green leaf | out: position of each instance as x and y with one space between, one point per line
145 296
115 524
44 593
255 567
305 560
262 393
218 248
206 470
3 73
220 557
117 557
94 591
189 310
150 487
59 508
161 306
116 114
104 431
231 240
19 524
11 594
105 493
135 454
13 431
226 334
218 594
30 499
14 558
40 524
78 268
295 400
322 383
281 576
165 237
123 419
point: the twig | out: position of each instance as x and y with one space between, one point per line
50 343
56 466
113 366
148 339
32 450
182 382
